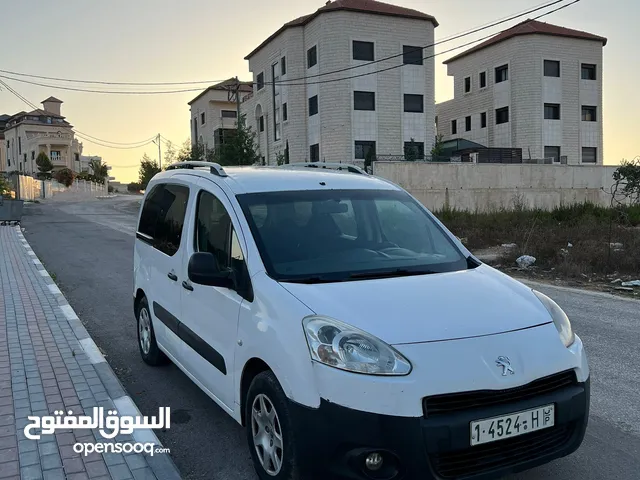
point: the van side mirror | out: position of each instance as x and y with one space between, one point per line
203 270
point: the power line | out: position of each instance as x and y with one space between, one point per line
111 146
116 143
288 82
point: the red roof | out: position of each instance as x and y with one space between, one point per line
530 27
361 6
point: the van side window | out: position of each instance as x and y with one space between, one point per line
215 234
162 217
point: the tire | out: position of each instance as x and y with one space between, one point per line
265 391
149 350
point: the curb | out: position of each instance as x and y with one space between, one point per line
161 464
108 196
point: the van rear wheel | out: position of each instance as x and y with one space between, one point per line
269 431
147 345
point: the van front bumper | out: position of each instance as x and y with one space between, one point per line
333 441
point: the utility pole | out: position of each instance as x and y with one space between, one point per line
238 103
159 152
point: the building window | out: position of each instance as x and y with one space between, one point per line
502 73
202 118
363 148
277 132
262 123
283 66
551 111
467 84
588 71
589 114
313 105
55 156
285 113
19 145
483 79
33 155
483 120
414 150
276 101
412 55
551 68
502 115
454 127
589 155
312 57
413 103
260 81
552 152
314 152
229 114
364 101
363 51
467 124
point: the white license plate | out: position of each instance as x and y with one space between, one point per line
507 426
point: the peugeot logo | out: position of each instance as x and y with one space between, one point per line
505 363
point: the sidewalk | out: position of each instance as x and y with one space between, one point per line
48 362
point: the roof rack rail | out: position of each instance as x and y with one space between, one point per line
216 168
328 166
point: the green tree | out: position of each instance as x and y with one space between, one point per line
627 180
148 169
438 148
5 187
65 176
170 154
239 147
411 152
194 153
99 168
369 158
134 187
44 165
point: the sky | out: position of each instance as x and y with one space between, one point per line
194 40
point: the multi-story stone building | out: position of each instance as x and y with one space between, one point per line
537 87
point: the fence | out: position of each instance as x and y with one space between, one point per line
30 189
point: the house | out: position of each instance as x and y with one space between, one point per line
85 162
536 87
348 79
3 148
214 112
43 130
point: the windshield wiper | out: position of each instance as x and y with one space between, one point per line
310 280
400 272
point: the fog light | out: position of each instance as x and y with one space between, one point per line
373 461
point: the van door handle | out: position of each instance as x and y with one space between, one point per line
172 276
187 286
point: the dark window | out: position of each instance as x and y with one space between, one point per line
588 71
412 55
162 217
260 81
414 150
33 155
483 120
552 152
313 105
454 127
502 73
413 103
551 111
262 123
364 101
483 79
363 148
285 113
202 118
283 66
467 84
589 154
551 68
19 145
312 57
467 124
229 114
502 115
363 51
589 114
314 152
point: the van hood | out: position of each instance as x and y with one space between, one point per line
428 308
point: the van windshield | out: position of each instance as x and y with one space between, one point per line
321 236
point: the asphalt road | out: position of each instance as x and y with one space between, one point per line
88 249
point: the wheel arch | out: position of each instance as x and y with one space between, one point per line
253 367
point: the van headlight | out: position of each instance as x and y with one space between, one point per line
348 348
560 319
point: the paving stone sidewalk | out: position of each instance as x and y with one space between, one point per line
49 362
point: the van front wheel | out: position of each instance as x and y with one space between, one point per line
269 431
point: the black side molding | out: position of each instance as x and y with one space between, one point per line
189 337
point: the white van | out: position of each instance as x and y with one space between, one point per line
352 335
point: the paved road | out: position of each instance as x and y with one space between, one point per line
89 248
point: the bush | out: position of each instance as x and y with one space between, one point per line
5 187
43 163
110 189
64 176
134 187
